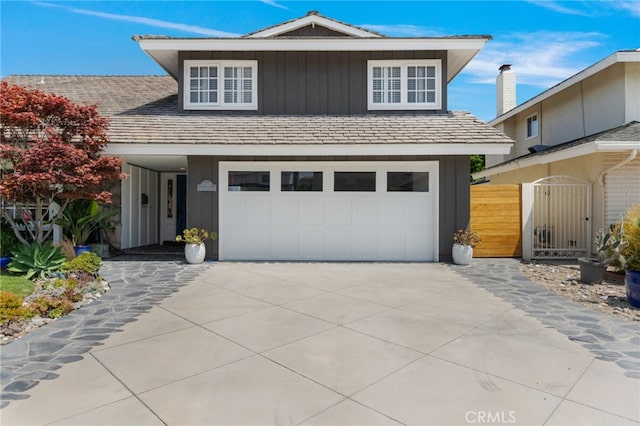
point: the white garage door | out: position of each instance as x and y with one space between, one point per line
328 211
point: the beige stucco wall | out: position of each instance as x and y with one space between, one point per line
587 168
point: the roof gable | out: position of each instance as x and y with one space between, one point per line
313 20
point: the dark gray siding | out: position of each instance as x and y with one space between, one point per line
202 207
331 83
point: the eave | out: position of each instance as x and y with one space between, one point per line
461 49
552 157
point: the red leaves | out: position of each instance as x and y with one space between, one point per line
50 147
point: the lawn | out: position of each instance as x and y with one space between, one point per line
17 285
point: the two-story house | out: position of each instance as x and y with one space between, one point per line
309 140
577 145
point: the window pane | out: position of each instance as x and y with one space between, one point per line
193 98
213 97
431 97
431 71
249 181
204 72
411 97
431 84
354 181
193 72
301 181
407 182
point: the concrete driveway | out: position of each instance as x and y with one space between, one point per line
321 344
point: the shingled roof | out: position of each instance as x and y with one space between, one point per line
144 110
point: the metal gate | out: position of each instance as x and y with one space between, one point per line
561 212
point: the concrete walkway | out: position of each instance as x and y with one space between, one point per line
324 344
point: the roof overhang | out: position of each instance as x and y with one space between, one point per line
622 56
313 19
305 149
564 154
460 49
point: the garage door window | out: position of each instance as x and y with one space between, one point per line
301 181
354 181
407 182
249 181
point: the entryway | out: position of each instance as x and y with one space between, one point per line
173 205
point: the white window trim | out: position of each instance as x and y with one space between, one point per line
526 126
404 64
220 105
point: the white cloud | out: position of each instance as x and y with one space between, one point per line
541 59
631 6
274 4
142 20
401 30
557 7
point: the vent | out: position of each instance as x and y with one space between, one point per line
537 148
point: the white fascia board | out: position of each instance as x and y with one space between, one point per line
307 44
582 75
617 146
312 19
308 150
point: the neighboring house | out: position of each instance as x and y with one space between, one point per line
577 145
308 140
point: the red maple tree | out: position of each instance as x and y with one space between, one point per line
50 149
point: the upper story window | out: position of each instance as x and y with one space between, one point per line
404 84
532 126
223 85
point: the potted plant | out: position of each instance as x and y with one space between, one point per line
630 254
464 242
78 220
8 242
607 244
194 238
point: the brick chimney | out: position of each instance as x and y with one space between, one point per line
505 90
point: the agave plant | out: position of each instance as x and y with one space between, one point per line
36 261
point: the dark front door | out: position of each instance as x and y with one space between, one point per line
181 204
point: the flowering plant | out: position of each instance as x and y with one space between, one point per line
195 236
466 238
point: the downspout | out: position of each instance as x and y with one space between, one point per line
631 157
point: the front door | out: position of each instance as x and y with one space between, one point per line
173 201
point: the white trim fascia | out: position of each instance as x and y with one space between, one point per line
565 154
313 44
312 19
308 150
633 56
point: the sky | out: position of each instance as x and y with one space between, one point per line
546 41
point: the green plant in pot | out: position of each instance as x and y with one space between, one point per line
630 254
81 219
8 243
194 238
607 244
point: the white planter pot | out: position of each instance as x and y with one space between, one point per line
462 255
194 253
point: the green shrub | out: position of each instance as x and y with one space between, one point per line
630 247
8 239
50 307
11 307
35 261
86 262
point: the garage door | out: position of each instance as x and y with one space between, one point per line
328 211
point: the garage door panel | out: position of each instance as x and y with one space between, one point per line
312 242
364 243
234 239
258 210
391 212
337 242
285 242
365 212
286 212
235 210
417 242
338 211
418 211
257 242
312 211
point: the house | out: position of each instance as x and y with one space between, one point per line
308 140
576 149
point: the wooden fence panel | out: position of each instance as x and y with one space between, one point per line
496 214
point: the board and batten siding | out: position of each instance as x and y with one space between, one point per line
138 222
622 187
202 207
333 83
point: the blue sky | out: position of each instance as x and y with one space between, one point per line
546 41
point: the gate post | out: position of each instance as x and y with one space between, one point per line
527 221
